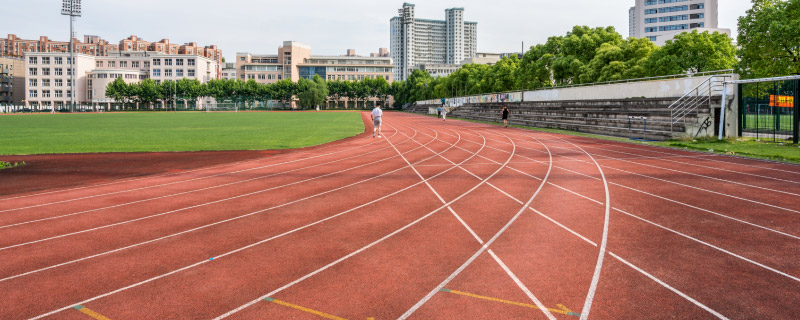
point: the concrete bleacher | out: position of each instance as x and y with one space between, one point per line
606 117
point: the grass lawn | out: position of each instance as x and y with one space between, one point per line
745 147
170 131
767 122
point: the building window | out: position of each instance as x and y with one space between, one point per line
147 64
167 62
190 62
156 62
178 62
191 72
45 82
33 60
156 72
251 76
59 71
123 64
112 64
99 64
33 94
69 93
45 60
179 73
33 71
33 82
69 71
168 72
134 64
45 71
69 82
59 93
45 93
59 83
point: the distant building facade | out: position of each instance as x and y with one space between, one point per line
294 61
12 80
96 46
661 20
229 71
49 77
417 41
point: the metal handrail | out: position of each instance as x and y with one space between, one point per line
696 97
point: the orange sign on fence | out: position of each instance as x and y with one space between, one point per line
781 101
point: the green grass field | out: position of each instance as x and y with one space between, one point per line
169 131
767 122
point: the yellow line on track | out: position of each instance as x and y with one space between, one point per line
561 310
90 312
301 308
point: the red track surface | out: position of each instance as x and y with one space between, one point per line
435 220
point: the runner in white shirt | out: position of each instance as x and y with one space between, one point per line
376 116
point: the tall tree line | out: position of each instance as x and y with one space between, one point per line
309 93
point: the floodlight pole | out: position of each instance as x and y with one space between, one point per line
71 8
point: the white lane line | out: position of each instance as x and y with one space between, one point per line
664 198
713 246
665 158
211 224
634 267
176 182
505 268
194 190
242 307
587 306
702 156
485 246
189 207
251 245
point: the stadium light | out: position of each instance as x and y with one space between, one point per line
71 8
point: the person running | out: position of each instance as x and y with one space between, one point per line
505 116
444 114
376 116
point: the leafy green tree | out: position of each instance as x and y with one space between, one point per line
190 90
617 62
168 90
692 52
149 92
314 92
769 39
118 90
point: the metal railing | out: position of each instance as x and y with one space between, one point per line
696 97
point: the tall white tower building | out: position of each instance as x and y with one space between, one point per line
417 42
661 20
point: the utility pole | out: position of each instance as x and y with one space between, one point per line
71 8
521 77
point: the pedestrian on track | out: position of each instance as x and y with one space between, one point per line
376 116
444 114
438 112
505 116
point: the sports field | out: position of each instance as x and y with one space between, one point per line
437 220
767 122
170 131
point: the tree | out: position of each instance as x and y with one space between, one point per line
769 39
190 90
314 93
692 52
169 92
617 62
118 90
149 92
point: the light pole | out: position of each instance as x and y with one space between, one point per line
71 8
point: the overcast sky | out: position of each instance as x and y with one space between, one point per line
330 27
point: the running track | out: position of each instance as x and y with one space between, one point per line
434 221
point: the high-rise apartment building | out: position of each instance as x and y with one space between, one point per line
661 20
416 41
12 80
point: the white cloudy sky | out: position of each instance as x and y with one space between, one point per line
329 26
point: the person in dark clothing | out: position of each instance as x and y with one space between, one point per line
505 116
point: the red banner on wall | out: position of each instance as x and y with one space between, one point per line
781 101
